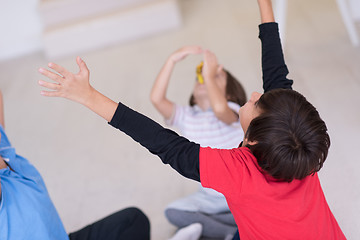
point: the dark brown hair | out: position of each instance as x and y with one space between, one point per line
291 140
234 91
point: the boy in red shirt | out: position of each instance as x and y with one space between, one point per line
270 182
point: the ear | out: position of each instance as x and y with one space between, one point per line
246 142
252 142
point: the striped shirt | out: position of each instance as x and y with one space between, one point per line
205 128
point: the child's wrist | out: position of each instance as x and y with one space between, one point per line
171 61
89 98
209 76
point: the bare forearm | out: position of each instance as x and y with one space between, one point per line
159 90
266 11
158 93
101 105
162 81
215 81
219 103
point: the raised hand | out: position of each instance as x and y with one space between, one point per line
75 87
183 52
158 93
211 65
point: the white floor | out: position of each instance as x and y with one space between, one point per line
92 170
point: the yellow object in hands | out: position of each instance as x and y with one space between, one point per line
198 73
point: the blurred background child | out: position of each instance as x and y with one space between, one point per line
211 119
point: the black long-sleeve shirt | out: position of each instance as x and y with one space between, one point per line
274 68
179 152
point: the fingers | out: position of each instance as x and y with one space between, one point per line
210 68
195 50
52 86
208 54
191 50
65 73
82 66
183 52
67 85
51 75
50 93
210 58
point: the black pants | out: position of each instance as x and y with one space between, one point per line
128 224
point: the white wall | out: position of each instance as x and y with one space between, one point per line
20 28
22 23
355 7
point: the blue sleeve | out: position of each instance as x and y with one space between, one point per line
274 68
4 141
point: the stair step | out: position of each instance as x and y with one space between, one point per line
116 27
60 12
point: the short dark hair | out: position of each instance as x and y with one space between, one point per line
234 91
290 139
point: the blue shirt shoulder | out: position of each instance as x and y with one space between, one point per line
26 210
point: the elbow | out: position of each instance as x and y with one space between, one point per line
152 99
219 111
226 116
224 119
155 100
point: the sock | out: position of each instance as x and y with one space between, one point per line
191 232
212 225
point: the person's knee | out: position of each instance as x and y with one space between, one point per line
134 211
138 216
171 214
180 218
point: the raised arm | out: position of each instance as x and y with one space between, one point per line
273 65
76 87
2 120
266 11
2 163
158 92
177 151
214 76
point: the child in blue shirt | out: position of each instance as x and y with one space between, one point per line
27 212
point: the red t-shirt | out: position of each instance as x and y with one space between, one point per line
263 207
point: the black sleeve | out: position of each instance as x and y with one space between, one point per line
179 152
273 65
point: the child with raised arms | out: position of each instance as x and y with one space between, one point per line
270 182
210 119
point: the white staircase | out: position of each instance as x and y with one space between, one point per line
72 27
